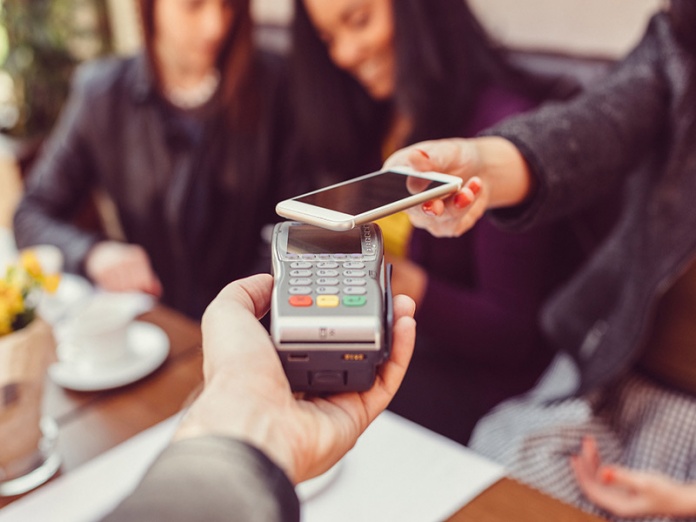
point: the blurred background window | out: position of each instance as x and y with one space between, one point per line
41 42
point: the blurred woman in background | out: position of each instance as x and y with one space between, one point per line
370 76
179 140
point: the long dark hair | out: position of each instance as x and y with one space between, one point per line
235 62
444 59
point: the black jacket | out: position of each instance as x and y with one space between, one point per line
636 128
196 201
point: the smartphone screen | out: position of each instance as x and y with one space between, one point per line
365 194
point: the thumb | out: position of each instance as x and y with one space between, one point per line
419 160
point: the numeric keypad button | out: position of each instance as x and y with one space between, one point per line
327 281
328 290
355 290
354 281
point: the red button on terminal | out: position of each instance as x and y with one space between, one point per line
300 300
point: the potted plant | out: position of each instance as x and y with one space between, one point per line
27 439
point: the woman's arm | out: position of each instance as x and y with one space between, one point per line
556 159
60 182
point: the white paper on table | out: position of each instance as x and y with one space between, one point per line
94 489
397 471
400 471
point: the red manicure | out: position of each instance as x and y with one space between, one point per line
428 207
425 154
475 186
608 475
461 200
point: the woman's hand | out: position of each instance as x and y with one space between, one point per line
494 173
122 267
630 493
247 394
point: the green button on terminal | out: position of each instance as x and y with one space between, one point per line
354 300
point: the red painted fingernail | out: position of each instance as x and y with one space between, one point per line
425 154
461 200
608 475
428 206
475 186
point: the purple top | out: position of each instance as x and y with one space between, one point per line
479 338
485 288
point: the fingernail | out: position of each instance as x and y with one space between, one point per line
461 200
475 186
425 154
608 475
428 208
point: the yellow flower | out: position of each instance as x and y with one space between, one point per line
11 298
19 291
51 282
5 318
31 264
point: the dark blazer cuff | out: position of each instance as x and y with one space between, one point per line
211 478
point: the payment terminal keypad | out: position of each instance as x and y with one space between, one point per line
328 281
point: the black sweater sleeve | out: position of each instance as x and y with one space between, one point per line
581 150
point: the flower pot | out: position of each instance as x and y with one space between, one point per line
28 454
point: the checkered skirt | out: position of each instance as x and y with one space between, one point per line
637 423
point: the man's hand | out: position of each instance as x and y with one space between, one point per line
247 394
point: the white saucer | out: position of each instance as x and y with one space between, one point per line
312 487
148 348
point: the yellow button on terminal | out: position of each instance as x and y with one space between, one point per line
327 301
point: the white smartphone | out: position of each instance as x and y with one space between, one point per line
366 198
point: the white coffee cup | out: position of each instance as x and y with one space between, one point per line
96 335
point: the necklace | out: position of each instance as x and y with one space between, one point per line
192 97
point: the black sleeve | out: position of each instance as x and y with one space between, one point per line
582 150
60 181
211 478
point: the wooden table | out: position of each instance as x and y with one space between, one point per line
92 423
